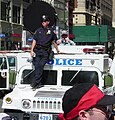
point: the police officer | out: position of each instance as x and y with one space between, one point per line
41 45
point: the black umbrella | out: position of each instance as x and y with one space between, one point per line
112 40
34 12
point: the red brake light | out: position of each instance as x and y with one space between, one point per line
93 50
26 49
101 50
88 50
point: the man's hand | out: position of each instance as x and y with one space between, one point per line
32 53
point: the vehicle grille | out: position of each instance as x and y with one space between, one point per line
50 100
49 105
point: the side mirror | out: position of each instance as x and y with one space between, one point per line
108 80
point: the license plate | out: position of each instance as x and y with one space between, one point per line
45 117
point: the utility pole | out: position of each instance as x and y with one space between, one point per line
9 29
70 15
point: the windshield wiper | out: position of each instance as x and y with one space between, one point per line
28 74
75 75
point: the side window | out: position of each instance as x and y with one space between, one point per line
3 63
12 61
69 77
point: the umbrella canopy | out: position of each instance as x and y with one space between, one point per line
112 40
34 12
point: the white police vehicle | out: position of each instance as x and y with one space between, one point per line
77 64
10 64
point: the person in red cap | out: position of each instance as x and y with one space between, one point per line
86 101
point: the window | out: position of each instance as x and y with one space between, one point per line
11 61
16 14
3 11
49 77
69 77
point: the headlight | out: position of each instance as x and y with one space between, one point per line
26 104
8 100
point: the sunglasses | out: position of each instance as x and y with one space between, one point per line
102 109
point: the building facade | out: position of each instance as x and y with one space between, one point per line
113 18
11 20
92 12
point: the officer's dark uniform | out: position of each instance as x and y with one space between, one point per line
44 38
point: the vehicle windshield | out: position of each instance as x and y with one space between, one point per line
49 77
71 78
68 77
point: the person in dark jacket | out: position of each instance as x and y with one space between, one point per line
43 39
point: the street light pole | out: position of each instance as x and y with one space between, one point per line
70 15
8 17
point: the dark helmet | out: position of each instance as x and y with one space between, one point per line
45 18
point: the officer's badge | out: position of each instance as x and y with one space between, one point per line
48 32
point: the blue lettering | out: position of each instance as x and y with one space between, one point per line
70 61
78 62
64 61
50 62
58 62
